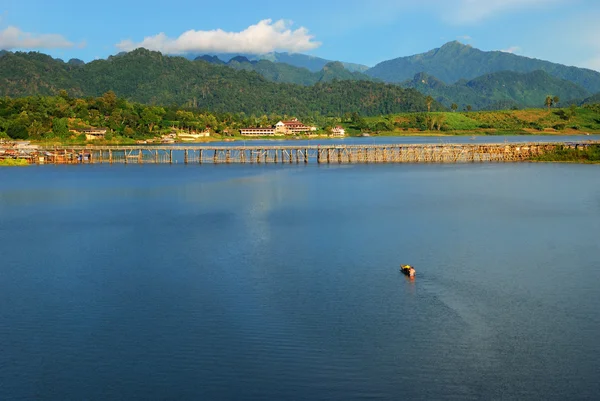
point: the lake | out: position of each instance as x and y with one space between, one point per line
272 282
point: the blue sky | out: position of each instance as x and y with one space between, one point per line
367 32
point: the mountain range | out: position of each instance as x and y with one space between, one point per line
506 80
311 63
498 90
455 61
153 78
287 73
453 73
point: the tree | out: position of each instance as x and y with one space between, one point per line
185 117
429 101
469 107
150 118
17 131
358 121
555 99
548 102
454 106
108 102
36 129
60 128
572 110
63 94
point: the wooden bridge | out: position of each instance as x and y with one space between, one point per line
385 153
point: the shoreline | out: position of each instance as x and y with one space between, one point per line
575 152
592 135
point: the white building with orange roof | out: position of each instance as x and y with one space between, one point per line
293 126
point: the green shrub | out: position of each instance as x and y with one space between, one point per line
13 162
536 126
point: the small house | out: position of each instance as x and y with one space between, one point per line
338 131
94 133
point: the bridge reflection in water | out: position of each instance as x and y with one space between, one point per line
389 153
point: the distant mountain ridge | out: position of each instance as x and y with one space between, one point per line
311 63
210 59
503 89
454 61
286 73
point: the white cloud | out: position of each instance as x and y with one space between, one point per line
14 38
466 38
512 49
264 37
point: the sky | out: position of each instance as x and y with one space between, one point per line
359 31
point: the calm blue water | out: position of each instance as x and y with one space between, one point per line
271 282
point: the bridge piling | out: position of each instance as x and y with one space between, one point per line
388 153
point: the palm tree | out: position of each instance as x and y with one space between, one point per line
548 102
428 100
555 99
454 106
469 107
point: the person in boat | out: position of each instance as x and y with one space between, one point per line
408 270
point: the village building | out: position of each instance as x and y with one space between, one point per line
168 138
193 135
93 133
338 131
292 127
258 131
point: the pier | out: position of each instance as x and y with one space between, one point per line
289 154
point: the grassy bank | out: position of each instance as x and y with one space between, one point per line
13 162
567 121
591 154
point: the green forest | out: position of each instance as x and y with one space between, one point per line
151 78
61 119
144 94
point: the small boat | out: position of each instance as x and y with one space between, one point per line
408 270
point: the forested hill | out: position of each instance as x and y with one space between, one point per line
151 78
311 63
503 89
591 100
455 61
286 73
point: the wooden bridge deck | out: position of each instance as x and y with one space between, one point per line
385 153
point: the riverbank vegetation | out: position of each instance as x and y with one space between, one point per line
62 119
590 154
571 120
13 162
